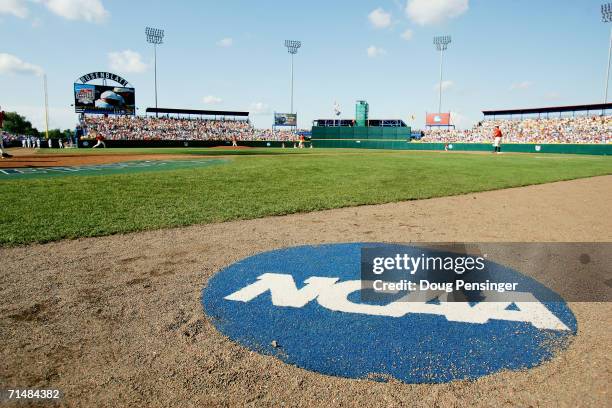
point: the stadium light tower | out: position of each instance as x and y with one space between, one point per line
606 17
441 43
292 47
155 36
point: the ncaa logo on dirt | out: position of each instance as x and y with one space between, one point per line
303 305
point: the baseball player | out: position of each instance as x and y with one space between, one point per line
3 154
497 137
100 140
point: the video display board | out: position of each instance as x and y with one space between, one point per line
104 99
285 119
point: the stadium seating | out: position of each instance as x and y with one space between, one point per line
580 129
152 128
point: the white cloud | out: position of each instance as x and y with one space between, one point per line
426 12
92 11
259 108
521 85
407 35
445 85
212 100
374 51
16 8
379 18
10 64
126 61
226 42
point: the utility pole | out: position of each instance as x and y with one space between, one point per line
441 43
292 48
155 36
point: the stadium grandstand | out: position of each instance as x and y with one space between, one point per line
180 124
588 124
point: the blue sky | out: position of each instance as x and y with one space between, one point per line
230 55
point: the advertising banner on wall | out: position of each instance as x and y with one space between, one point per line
437 119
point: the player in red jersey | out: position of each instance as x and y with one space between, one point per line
100 140
497 137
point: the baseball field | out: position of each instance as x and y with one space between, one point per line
105 254
217 185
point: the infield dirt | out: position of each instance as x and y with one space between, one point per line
117 320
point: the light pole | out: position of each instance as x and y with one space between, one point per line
292 47
606 17
46 107
441 43
155 36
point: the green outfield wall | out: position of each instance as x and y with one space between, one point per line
361 133
398 138
361 143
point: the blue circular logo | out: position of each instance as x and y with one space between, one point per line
303 305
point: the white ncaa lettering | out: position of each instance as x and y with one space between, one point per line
333 295
283 290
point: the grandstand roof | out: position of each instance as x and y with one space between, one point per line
196 112
553 109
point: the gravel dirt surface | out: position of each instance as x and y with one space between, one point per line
117 321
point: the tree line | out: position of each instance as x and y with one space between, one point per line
16 124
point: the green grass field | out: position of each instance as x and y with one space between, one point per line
260 182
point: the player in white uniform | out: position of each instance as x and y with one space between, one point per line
3 154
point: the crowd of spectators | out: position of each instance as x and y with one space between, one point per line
168 128
579 129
